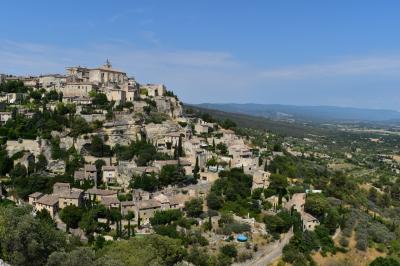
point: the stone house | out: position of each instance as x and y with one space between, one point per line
98 194
116 95
152 90
163 200
52 82
80 89
309 222
109 174
61 187
73 197
90 172
127 206
32 198
202 128
260 179
297 202
79 176
49 203
140 194
30 82
111 202
146 209
210 177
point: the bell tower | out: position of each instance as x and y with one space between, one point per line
107 64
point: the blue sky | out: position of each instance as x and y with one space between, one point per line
343 53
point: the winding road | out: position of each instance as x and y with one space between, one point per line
271 253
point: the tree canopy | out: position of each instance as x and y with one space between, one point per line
25 240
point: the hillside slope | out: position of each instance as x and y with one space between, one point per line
257 122
306 113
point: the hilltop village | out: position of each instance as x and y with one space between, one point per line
96 137
114 164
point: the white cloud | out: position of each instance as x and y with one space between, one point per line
381 65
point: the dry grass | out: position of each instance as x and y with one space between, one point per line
396 158
353 257
341 166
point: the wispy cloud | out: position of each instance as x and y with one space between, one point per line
117 16
151 37
218 76
381 65
193 74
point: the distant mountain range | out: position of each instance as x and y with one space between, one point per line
307 113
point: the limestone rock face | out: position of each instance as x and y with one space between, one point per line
36 147
157 131
169 106
66 142
80 142
125 170
46 149
56 166
94 117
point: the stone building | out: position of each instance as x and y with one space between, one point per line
80 89
116 95
104 75
70 197
152 90
146 210
109 174
98 194
52 82
49 203
309 222
32 198
260 179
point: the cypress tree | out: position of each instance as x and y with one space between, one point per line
196 169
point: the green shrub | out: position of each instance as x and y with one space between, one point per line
344 242
229 250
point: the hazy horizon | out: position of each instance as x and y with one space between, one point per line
295 105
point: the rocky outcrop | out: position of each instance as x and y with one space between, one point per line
169 106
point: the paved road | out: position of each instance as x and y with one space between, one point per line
271 253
